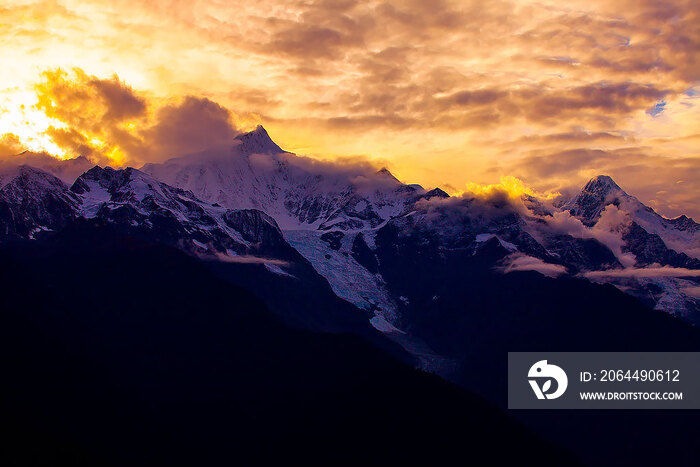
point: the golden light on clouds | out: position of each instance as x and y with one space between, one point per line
444 92
24 125
513 187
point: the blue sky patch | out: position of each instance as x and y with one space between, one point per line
657 109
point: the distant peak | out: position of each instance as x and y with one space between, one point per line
603 180
257 142
603 184
437 193
598 193
259 131
386 173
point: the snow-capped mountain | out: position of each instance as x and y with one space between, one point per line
300 193
245 246
132 199
647 233
650 242
33 201
333 217
595 196
250 201
454 281
320 208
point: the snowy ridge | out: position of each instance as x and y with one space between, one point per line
33 201
300 193
109 193
681 234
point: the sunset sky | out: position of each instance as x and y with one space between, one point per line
443 93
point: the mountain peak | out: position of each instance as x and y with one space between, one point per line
112 180
602 184
599 192
437 193
257 142
384 172
29 176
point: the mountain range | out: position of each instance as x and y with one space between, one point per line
444 283
250 201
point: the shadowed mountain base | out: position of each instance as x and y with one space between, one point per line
117 352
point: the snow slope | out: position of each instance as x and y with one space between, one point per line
300 193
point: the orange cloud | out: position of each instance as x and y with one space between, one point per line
109 122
